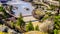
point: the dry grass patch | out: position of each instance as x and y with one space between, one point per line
35 32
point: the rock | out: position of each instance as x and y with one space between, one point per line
3 28
37 13
2 13
46 26
12 31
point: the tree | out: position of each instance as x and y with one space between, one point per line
29 27
37 28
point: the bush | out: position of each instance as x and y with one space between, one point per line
37 28
5 15
29 27
55 31
1 8
12 24
56 24
20 21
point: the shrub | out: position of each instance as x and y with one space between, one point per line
29 27
20 21
1 8
37 28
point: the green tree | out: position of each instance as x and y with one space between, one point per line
37 28
29 27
